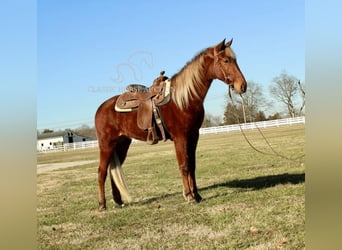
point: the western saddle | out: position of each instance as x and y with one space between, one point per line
146 101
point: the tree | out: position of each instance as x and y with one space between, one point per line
87 131
274 116
45 131
285 89
254 101
233 114
260 116
251 103
211 121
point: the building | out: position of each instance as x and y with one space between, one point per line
54 140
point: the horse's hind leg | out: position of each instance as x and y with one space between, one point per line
120 152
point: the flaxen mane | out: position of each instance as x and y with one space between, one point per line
187 82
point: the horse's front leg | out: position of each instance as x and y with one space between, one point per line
186 156
102 174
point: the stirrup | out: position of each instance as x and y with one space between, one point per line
152 137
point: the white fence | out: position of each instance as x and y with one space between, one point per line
80 145
72 146
253 125
203 131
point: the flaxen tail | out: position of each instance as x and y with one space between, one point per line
119 178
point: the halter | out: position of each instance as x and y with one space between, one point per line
227 79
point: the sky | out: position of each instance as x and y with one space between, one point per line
88 50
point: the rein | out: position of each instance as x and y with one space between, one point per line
274 153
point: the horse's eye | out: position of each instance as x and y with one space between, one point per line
227 60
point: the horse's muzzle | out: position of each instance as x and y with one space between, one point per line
239 89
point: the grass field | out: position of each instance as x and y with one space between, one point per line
250 200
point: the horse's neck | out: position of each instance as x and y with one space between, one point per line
203 93
192 83
206 81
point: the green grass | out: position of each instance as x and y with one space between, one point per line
250 200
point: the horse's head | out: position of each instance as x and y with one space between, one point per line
226 68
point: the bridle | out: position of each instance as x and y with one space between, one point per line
226 79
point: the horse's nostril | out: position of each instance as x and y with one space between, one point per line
243 88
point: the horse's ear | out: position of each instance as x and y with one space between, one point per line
220 46
229 43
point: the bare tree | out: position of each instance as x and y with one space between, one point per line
211 120
253 101
87 131
285 89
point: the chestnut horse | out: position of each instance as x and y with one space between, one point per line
182 115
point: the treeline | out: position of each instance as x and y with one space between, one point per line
234 114
83 130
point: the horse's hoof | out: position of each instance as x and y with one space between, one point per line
198 198
102 208
192 198
189 198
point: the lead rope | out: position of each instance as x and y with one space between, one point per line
275 153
